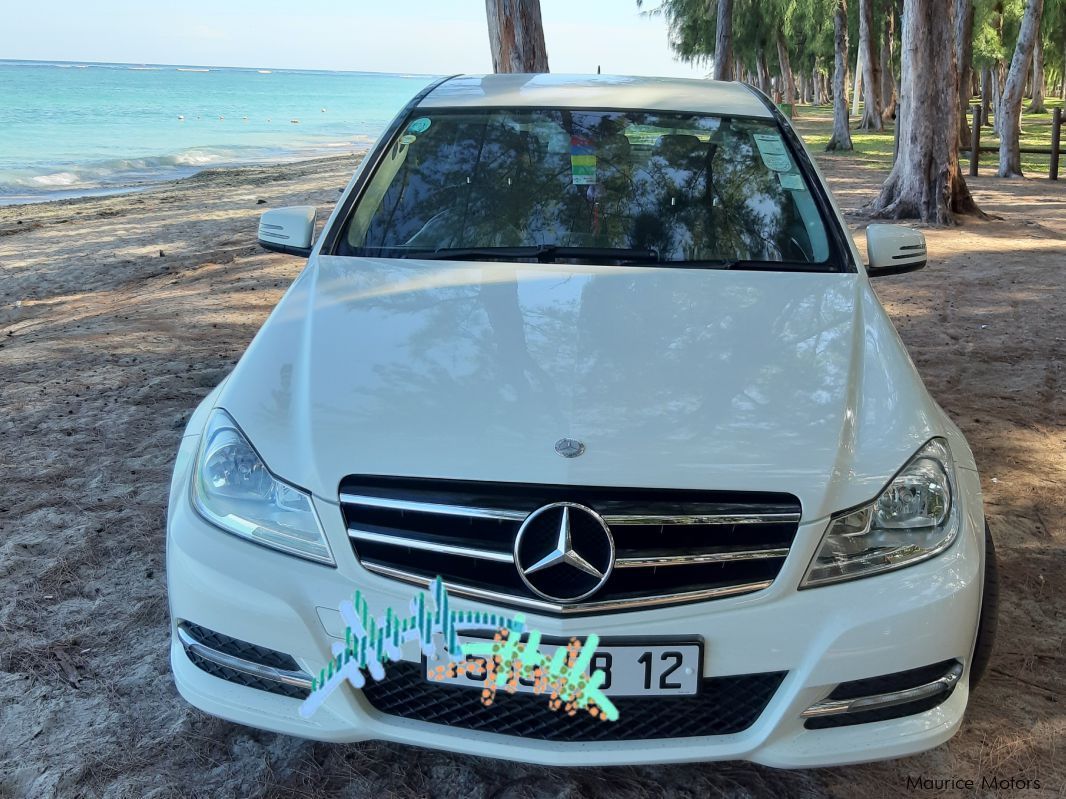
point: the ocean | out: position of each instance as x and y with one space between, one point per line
69 129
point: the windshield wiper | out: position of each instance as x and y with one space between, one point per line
543 253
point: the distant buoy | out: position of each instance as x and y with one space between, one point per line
221 117
295 121
323 110
181 118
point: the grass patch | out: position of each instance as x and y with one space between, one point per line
815 124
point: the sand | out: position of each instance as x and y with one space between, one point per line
118 314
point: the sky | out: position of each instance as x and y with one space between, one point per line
409 36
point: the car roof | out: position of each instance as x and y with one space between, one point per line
616 92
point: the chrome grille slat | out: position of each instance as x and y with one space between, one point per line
473 592
431 546
672 546
752 518
651 561
433 507
630 561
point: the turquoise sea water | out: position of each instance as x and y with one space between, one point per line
69 129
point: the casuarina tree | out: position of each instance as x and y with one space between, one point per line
841 138
926 182
516 36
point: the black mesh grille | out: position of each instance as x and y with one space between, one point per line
724 705
632 540
897 681
241 649
240 678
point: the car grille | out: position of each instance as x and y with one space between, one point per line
671 545
724 705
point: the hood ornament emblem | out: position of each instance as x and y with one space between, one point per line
569 447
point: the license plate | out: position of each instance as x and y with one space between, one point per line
646 668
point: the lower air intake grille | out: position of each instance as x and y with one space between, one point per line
724 705
247 680
671 546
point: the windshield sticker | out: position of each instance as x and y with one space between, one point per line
369 643
582 161
408 139
420 125
791 181
772 149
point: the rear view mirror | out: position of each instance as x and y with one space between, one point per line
288 230
894 249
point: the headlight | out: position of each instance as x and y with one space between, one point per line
914 518
233 489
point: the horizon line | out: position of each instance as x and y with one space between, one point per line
56 61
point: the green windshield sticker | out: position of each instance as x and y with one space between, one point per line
772 149
408 139
420 125
582 161
791 181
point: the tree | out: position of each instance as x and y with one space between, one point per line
788 81
723 41
926 182
1037 105
964 11
888 80
841 138
871 68
516 36
1009 111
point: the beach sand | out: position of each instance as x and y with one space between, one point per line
118 314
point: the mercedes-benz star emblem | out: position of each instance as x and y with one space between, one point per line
564 552
569 448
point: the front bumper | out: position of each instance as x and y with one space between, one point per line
821 637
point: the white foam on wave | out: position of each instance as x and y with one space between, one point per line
56 180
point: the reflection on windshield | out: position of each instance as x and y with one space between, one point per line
687 188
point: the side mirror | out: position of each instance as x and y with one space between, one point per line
288 230
894 249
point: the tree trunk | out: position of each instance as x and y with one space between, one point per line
888 81
856 89
986 96
516 36
763 72
964 55
871 69
788 82
816 84
723 41
926 182
841 138
1037 105
1010 103
997 95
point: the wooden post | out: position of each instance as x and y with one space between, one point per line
1056 130
975 140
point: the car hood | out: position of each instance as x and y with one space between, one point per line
679 378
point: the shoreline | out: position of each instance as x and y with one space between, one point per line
103 193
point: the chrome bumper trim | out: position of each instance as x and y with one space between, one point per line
297 679
836 707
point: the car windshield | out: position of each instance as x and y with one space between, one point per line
590 186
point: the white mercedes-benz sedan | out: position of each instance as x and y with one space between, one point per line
596 358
